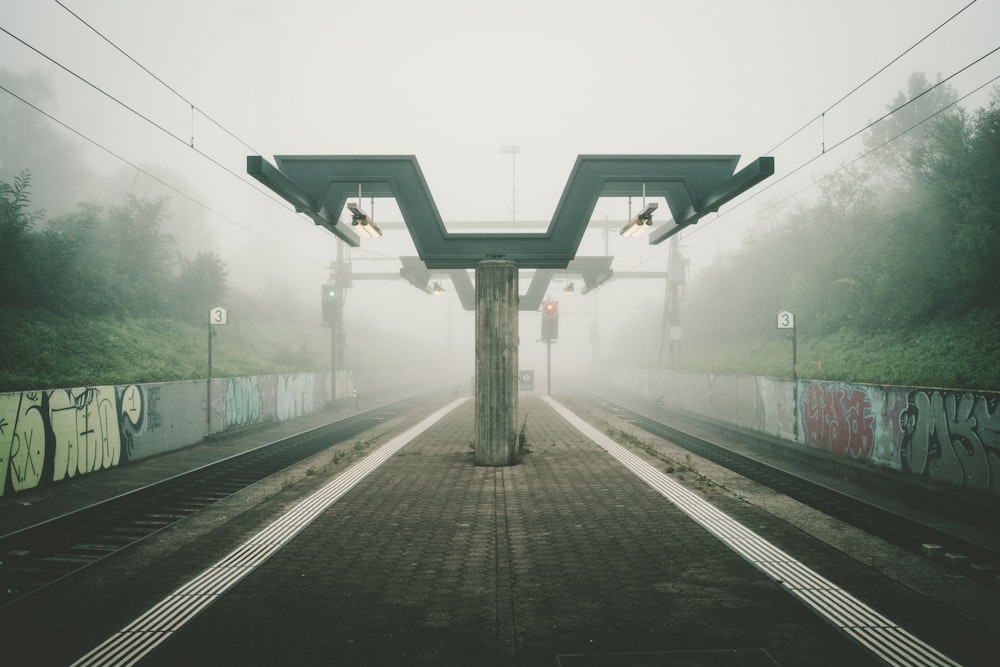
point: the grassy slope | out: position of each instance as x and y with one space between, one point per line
962 354
39 350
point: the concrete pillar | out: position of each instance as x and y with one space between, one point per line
496 362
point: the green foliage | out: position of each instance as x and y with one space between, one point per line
101 261
43 350
200 286
892 273
21 265
961 353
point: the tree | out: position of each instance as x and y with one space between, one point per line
18 269
30 141
896 138
138 256
200 286
905 237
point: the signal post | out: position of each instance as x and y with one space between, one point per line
550 332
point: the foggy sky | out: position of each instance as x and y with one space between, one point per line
452 81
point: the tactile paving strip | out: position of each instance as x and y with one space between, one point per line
890 642
138 638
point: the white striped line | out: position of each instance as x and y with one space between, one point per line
890 642
138 638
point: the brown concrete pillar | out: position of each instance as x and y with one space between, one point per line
496 362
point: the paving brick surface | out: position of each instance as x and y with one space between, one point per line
564 559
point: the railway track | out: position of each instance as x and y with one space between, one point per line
38 556
959 531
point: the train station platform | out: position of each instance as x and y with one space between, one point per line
412 555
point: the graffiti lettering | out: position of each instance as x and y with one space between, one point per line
952 437
839 419
244 401
22 451
58 434
153 419
134 415
294 395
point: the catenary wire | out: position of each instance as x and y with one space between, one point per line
172 135
866 81
822 115
876 148
193 106
758 192
158 79
152 176
843 141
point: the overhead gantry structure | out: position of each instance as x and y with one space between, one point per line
692 185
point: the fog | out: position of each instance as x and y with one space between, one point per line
170 98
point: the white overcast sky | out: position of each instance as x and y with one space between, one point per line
452 81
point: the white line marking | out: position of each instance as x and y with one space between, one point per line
138 638
870 629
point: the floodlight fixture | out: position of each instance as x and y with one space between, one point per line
569 289
363 223
437 288
641 222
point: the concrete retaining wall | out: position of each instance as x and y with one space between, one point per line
50 435
948 436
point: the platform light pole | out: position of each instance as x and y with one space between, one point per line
513 151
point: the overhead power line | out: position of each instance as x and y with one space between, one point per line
245 144
866 81
153 176
180 96
874 149
868 126
253 186
145 69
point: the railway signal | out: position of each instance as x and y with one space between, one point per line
550 320
330 299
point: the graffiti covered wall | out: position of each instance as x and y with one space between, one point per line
948 436
51 435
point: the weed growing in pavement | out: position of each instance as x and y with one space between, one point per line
671 467
522 441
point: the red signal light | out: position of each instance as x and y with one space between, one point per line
550 308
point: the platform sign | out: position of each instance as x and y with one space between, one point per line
218 315
786 319
526 380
